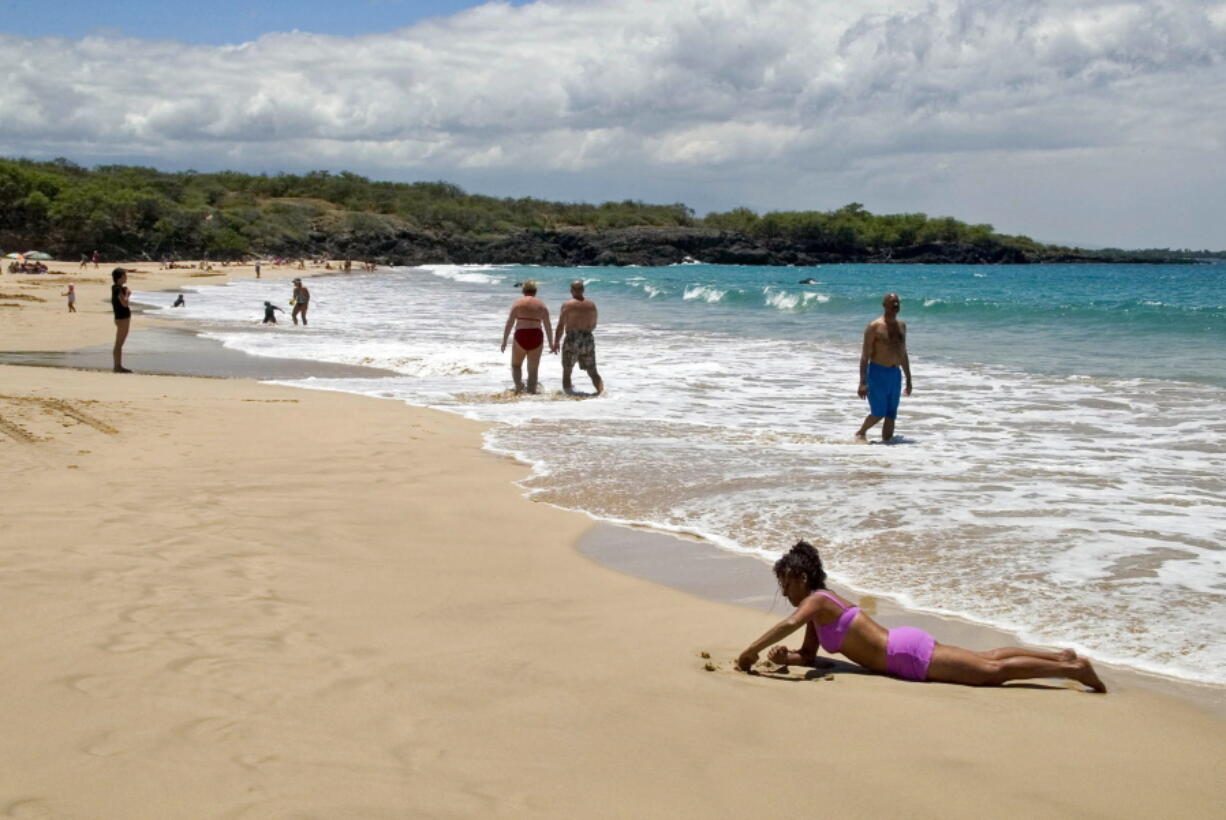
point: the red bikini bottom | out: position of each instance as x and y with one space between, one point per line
529 338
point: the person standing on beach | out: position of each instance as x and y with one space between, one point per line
123 315
577 320
530 318
257 269
71 293
95 260
883 363
301 301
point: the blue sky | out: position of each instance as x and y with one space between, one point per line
216 22
1100 122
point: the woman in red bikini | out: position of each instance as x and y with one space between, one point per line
530 318
904 652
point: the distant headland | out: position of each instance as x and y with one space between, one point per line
131 212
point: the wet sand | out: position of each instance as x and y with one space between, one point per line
700 568
178 351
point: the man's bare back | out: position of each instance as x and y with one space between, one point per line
577 314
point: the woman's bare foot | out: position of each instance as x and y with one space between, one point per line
1085 674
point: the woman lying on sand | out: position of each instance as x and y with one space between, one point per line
905 652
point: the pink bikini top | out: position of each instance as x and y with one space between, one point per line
831 635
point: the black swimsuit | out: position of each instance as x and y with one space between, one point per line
122 311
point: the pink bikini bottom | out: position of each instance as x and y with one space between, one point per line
908 651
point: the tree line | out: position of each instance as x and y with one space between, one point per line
129 212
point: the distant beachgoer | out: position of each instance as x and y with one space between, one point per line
71 293
95 259
530 318
84 261
123 315
301 302
883 362
180 301
270 317
257 269
577 320
838 626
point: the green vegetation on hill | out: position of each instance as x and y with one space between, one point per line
125 211
128 212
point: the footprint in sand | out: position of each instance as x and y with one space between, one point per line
104 577
352 688
256 762
213 730
97 686
418 757
139 614
125 642
33 808
214 668
115 742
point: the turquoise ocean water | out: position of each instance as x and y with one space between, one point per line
1059 471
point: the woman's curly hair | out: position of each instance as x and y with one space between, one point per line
802 558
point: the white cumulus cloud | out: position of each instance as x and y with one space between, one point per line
1042 117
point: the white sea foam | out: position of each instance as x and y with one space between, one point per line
781 299
785 300
704 293
1078 511
465 273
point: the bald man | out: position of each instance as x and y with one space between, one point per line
577 320
883 363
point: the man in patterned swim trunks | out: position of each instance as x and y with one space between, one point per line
577 321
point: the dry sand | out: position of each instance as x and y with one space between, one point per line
227 599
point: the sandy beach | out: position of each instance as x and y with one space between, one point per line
229 599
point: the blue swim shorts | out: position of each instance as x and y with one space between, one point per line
884 390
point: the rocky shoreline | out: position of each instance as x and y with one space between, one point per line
649 247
